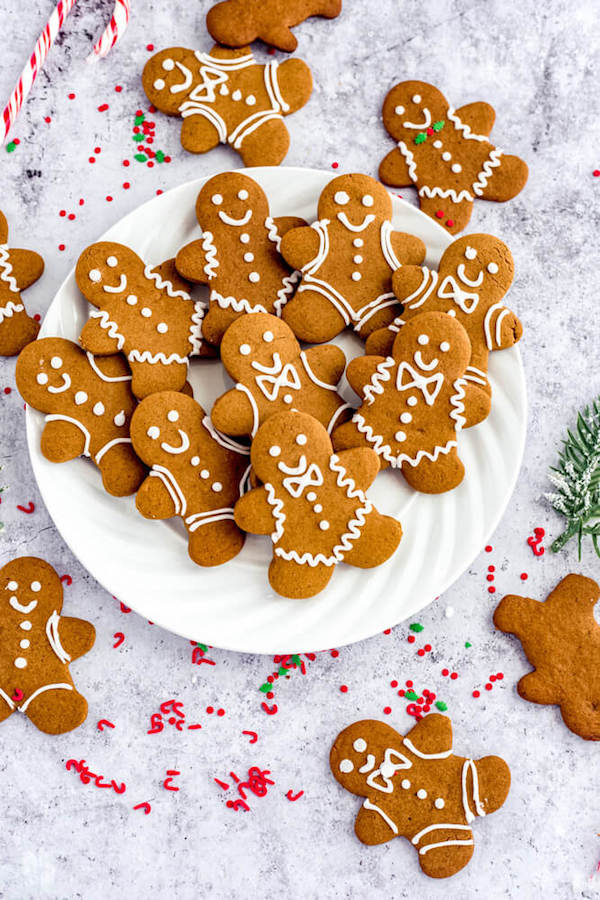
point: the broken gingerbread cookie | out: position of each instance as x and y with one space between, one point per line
236 23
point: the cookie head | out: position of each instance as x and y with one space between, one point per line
232 202
481 263
164 427
258 345
49 372
411 107
361 753
433 344
169 77
288 444
105 270
356 201
29 587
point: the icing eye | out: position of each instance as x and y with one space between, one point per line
268 336
162 327
12 586
492 268
98 409
168 65
456 168
399 110
423 339
243 194
470 253
360 745
405 418
217 199
346 766
274 450
341 198
35 587
95 275
56 362
153 432
159 84
301 440
367 200
245 349
444 346
416 98
112 261
254 277
132 300
173 415
42 378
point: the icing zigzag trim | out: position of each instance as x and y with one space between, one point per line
381 375
385 450
164 285
210 254
6 269
6 312
146 357
456 401
106 322
278 513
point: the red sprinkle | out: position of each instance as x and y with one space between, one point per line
81 201
109 199
387 710
411 639
27 509
445 671
71 217
150 48
118 88
66 579
220 712
394 684
71 96
63 212
409 684
421 652
440 213
344 688
335 653
91 159
97 150
596 173
47 119
125 162
476 694
103 107
126 185
524 576
427 648
488 686
489 548
491 568
210 710
491 590
454 676
7 390
334 165
500 676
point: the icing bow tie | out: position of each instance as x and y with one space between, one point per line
429 385
277 377
393 761
297 483
465 300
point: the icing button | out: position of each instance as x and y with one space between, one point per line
405 418
444 346
20 662
405 784
245 238
162 327
173 415
439 803
195 460
318 508
400 436
446 156
421 794
237 95
132 300
311 496
250 100
146 312
204 473
456 168
26 625
356 276
98 408
254 277
437 144
357 242
324 525
80 398
217 486
412 401
248 257
223 90
358 259
24 644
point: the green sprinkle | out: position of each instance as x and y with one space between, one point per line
416 626
467 644
266 687
10 147
203 647
421 138
160 156
441 705
410 695
138 138
139 119
141 157
437 126
296 659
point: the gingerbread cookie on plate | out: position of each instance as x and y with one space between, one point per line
475 273
446 154
37 644
561 639
273 375
415 787
225 97
88 404
19 269
195 473
238 254
313 504
414 403
239 22
347 259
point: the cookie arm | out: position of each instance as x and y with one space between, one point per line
283 224
294 80
168 272
479 116
370 827
154 501
409 249
27 266
393 170
62 441
406 281
517 615
233 413
76 635
433 734
191 262
537 688
362 464
326 363
299 246
252 512
96 339
360 371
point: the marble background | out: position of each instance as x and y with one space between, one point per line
537 63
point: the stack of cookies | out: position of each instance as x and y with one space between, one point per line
281 453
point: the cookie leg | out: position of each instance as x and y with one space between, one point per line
212 545
266 146
198 135
441 862
312 317
216 322
507 180
478 403
122 472
57 711
582 717
381 319
437 477
347 436
16 332
299 582
379 539
148 378
458 214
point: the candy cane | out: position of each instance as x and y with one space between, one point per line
35 63
113 31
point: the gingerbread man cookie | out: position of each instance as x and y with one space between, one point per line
142 311
225 97
414 403
475 273
416 788
446 154
347 258
561 639
313 504
19 269
273 375
37 644
238 254
196 473
236 23
88 405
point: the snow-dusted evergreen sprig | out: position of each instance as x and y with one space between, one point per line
577 480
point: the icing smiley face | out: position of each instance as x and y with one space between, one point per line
288 450
231 204
355 202
167 429
102 272
28 601
434 355
168 78
483 267
264 351
411 107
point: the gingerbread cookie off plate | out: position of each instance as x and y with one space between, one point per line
145 563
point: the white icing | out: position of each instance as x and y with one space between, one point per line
217 199
46 687
237 223
367 200
12 586
173 415
6 312
369 763
245 349
405 784
98 409
131 300
274 450
172 486
24 644
66 384
162 327
146 357
423 339
42 378
54 638
153 432
275 377
217 486
95 275
109 379
20 662
487 323
356 276
492 268
224 440
441 826
254 277
26 625
58 417
301 439
5 273
444 346
268 337
456 168
422 794
24 608
56 362
112 261
439 803
243 194
393 762
346 766
183 447
324 525
469 765
343 218
341 198
118 288
368 804
398 110
300 476
146 312
446 156
109 446
248 257
408 378
105 322
460 271
198 520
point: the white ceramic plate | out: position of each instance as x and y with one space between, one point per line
145 564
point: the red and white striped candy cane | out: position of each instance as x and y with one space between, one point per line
34 64
113 31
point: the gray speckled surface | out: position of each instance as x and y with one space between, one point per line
537 64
